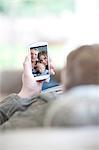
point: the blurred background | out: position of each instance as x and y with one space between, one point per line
64 24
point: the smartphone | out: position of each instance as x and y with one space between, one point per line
40 60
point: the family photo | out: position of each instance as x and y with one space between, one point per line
39 60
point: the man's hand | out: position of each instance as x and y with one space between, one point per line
30 85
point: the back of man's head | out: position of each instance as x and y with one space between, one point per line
83 66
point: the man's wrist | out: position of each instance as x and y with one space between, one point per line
25 94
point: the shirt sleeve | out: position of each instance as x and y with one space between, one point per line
11 104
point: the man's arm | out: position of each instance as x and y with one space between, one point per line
13 103
20 101
27 95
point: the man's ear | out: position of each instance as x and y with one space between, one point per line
64 78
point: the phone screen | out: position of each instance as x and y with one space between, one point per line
39 61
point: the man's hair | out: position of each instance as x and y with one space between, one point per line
83 66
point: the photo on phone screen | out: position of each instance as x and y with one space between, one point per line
39 60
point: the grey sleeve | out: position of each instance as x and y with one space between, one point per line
11 104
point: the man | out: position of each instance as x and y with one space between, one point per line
79 105
80 78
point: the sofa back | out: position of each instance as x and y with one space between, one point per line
11 81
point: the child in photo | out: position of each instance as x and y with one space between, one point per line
40 69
